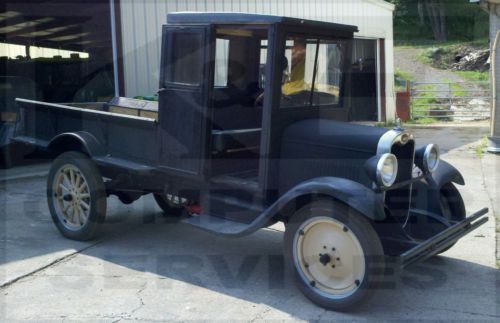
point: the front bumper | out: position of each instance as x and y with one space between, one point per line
443 240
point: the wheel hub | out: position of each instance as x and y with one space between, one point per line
324 258
71 198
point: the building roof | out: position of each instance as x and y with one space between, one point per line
247 18
383 4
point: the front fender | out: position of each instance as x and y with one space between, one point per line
356 195
444 174
80 140
426 193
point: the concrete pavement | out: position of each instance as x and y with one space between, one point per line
144 267
16 173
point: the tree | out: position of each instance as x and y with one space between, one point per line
436 13
440 20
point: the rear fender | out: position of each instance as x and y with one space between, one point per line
80 141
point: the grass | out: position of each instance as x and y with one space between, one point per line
456 88
423 120
481 147
403 75
387 124
475 76
422 103
426 95
479 43
400 79
425 58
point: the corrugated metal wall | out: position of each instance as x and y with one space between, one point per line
142 21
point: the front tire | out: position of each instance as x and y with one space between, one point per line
76 196
451 210
452 206
451 202
334 254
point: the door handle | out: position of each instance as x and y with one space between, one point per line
161 90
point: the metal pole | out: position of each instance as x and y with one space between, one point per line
450 100
494 139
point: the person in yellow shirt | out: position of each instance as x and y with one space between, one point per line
296 82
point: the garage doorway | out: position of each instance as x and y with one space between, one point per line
60 50
365 105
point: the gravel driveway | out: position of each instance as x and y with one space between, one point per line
406 59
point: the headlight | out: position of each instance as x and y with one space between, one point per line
427 158
387 170
431 157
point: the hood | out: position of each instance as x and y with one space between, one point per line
318 147
334 135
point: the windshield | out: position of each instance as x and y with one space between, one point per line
313 72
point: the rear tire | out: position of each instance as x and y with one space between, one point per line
76 196
169 210
334 254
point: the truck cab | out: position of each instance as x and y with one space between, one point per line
250 129
232 83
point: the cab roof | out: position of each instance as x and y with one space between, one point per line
250 18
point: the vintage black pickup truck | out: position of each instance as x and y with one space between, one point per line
251 129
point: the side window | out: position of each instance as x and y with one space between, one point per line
263 61
185 61
328 74
221 62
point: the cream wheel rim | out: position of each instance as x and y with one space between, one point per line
71 197
329 257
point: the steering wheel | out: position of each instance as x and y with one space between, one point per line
259 101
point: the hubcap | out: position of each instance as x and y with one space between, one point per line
329 257
71 198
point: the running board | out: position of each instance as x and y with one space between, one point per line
219 225
443 240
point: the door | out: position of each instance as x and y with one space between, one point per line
183 96
364 82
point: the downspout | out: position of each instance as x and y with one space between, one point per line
115 47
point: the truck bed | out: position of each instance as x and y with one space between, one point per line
119 132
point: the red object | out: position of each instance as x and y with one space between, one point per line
194 209
403 105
